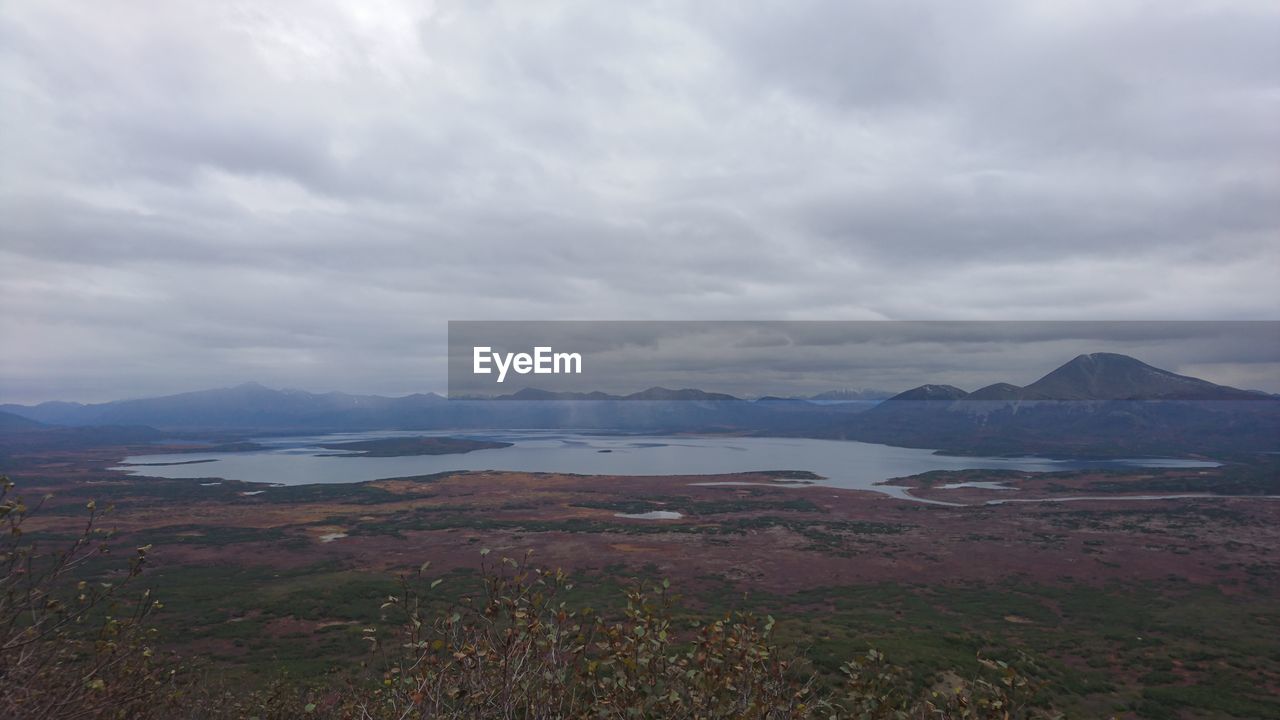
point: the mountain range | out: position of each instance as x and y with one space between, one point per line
10 422
1101 403
247 406
1097 376
1089 402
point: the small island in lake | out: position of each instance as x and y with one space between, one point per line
407 446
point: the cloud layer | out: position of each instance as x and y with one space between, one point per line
789 358
302 194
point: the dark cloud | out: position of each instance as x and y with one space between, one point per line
302 194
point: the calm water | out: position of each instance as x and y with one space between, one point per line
298 461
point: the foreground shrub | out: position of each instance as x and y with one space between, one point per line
517 650
72 649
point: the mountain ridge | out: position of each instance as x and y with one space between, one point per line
1112 376
1093 376
10 422
246 405
1000 407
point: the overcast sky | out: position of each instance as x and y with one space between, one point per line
799 358
196 194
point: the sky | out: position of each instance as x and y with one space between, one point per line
802 358
302 194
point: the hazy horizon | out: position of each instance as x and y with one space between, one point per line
797 359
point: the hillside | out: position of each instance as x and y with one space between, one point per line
13 423
1109 376
1102 403
929 392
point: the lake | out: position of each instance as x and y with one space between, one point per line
843 464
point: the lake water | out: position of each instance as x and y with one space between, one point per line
843 464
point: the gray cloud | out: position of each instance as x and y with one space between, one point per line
303 193
786 358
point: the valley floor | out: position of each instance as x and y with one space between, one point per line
1132 607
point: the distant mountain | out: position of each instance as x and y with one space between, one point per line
1109 376
247 406
49 413
929 392
1103 403
996 391
1100 403
545 395
849 395
775 400
1097 376
11 423
660 393
254 408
